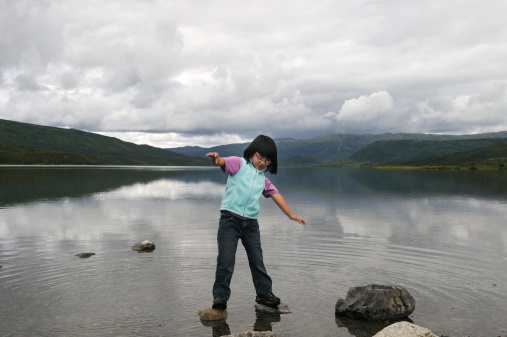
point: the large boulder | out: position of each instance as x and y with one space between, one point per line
404 329
376 303
144 246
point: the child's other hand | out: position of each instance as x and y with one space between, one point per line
298 219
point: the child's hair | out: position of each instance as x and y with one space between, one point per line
266 148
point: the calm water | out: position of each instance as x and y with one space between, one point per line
440 234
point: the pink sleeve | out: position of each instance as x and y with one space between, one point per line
269 188
232 165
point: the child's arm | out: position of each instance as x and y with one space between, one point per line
280 201
215 159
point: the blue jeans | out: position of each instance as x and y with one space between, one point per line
230 230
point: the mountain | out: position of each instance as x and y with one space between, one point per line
494 155
395 150
23 143
330 147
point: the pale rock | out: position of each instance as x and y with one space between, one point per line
253 334
404 329
144 246
210 314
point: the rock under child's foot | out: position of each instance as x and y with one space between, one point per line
282 308
210 314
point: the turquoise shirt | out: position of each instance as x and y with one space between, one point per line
243 191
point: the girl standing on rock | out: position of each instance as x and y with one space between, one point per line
238 218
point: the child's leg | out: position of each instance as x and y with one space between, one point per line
251 240
229 232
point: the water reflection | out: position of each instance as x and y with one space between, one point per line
439 234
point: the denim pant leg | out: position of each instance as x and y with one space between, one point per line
229 232
251 240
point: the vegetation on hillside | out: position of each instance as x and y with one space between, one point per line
22 143
396 150
494 155
332 147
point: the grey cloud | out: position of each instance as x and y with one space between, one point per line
286 68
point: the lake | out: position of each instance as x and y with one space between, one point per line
441 234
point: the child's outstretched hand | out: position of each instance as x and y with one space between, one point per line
298 219
215 159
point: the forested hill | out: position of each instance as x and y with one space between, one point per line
340 146
395 150
493 155
23 143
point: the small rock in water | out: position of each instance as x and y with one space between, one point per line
282 308
210 314
84 255
253 334
144 246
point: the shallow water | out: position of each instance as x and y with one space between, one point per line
440 234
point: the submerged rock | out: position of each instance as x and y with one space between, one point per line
404 329
144 246
84 255
253 334
282 308
210 314
376 303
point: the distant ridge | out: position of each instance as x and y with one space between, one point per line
396 150
24 143
492 155
336 146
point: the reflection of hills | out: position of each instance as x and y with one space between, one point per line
25 184
362 181
484 183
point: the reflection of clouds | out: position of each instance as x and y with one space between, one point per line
157 207
167 189
444 220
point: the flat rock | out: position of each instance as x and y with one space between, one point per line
404 329
281 309
210 314
84 255
253 334
144 246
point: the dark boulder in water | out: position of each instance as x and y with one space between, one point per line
84 255
376 303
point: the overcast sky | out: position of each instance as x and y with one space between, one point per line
192 72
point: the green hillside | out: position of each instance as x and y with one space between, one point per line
330 147
492 155
22 143
395 150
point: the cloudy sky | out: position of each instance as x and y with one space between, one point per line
191 72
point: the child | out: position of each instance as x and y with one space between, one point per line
238 219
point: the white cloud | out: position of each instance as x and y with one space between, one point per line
366 107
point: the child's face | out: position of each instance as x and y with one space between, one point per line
259 162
